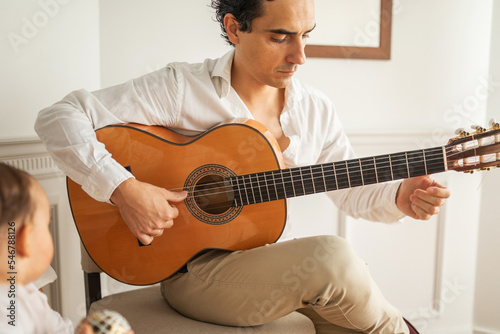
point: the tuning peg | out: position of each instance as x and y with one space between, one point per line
494 124
461 133
479 129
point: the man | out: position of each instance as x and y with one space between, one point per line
255 80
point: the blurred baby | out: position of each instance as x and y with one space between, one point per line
26 250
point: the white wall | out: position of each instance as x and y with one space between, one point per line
439 57
47 48
432 84
139 37
487 302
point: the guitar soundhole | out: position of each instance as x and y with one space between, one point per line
213 195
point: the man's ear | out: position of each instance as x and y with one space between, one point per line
22 240
232 28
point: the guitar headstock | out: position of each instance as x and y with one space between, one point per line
479 150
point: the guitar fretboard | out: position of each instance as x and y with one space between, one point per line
299 181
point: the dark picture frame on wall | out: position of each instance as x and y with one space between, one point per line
382 51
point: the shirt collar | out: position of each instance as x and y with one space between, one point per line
292 95
222 70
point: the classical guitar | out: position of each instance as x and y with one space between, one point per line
237 186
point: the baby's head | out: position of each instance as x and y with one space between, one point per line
24 224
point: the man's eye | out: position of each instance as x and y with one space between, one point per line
278 39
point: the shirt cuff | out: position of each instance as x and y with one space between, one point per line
391 206
104 179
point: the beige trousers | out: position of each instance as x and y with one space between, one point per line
321 277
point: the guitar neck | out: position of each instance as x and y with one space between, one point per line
299 181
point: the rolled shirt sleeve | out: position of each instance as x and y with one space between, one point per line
67 128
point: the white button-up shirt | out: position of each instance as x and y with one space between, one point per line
192 98
33 313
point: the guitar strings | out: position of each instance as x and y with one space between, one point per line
433 157
254 185
340 172
219 187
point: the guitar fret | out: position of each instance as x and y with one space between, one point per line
416 163
259 193
279 189
274 184
302 181
347 172
232 187
361 170
390 164
298 186
342 175
269 198
264 194
324 178
288 182
264 187
335 176
329 173
312 179
399 166
438 160
318 179
245 190
255 188
270 193
237 190
375 168
407 166
252 188
354 173
368 171
284 184
307 180
425 162
384 172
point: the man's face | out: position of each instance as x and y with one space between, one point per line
271 52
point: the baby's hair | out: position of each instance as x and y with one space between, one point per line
15 195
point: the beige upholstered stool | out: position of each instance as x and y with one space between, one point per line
148 312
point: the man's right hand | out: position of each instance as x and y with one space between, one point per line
146 208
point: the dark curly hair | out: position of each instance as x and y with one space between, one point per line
243 10
15 196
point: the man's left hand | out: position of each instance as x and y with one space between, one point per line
421 197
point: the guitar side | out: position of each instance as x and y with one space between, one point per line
170 160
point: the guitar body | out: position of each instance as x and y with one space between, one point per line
237 189
175 162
